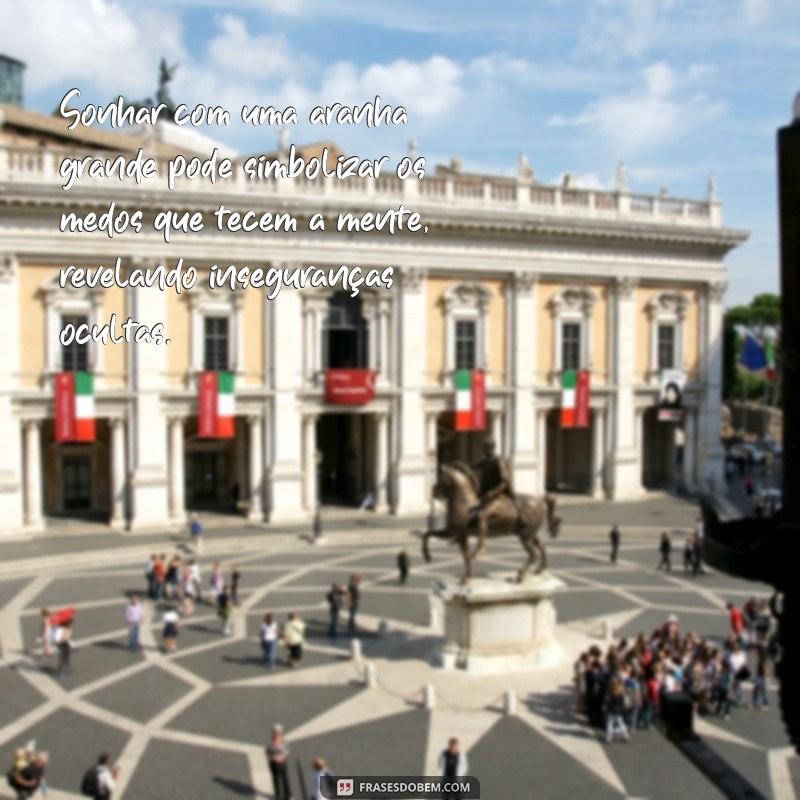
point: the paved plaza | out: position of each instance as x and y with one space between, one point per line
195 724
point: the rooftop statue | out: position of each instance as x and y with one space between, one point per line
163 97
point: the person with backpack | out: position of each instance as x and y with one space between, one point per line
19 778
99 781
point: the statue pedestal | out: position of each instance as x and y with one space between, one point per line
497 625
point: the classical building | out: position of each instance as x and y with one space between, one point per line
516 278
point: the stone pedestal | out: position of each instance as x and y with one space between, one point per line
497 625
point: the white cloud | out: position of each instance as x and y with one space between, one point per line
92 40
239 53
648 117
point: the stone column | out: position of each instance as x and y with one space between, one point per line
11 468
286 465
148 428
381 460
541 441
310 466
522 438
410 325
710 450
625 462
431 449
119 473
33 474
496 430
177 500
256 511
598 452
689 448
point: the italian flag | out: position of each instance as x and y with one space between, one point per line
569 398
217 412
470 400
74 400
769 350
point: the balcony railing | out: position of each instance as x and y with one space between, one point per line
21 165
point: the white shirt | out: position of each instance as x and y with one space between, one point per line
171 616
269 633
105 780
737 661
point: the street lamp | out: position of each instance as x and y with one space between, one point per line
318 505
432 509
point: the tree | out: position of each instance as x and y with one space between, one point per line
763 313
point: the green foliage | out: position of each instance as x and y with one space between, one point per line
764 311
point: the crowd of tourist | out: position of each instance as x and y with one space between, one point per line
623 689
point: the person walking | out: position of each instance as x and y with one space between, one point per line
236 582
665 549
615 712
63 639
196 534
160 573
278 755
46 632
452 764
614 540
403 566
100 779
353 600
150 577
269 640
760 692
194 573
216 581
320 771
133 619
171 620
294 636
334 598
225 610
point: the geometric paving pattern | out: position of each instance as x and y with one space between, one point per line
195 724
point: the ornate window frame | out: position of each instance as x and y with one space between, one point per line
67 301
464 302
572 304
203 302
667 308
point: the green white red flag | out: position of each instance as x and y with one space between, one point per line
74 401
217 406
575 396
470 400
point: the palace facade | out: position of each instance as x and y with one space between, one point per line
516 278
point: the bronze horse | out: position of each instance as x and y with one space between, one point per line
458 486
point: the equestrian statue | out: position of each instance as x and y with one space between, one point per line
481 502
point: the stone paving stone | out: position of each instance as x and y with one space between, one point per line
705 624
240 660
393 745
322 578
18 696
307 555
750 763
287 599
674 598
247 714
412 608
623 577
185 772
88 622
141 696
572 606
386 560
513 761
74 742
94 661
764 727
794 772
651 766
66 591
573 561
414 581
9 589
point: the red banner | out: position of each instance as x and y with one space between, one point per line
478 400
207 406
349 387
65 407
583 395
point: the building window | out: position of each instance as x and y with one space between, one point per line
466 344
346 332
666 347
75 355
571 345
216 340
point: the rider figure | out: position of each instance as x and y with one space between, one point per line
495 481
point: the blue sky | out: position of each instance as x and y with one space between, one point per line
676 89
